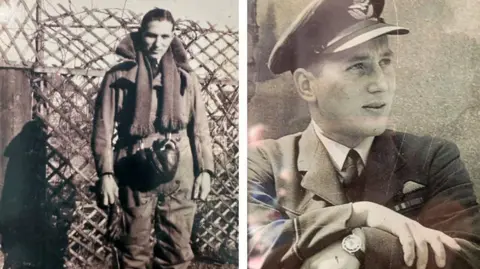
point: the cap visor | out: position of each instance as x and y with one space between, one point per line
365 34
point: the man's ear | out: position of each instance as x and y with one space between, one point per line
304 83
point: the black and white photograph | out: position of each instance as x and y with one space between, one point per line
363 141
119 134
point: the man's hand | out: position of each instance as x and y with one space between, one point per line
109 190
202 186
414 237
332 257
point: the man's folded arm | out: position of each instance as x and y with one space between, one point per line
451 208
275 239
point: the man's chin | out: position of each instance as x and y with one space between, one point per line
373 130
156 55
367 130
374 126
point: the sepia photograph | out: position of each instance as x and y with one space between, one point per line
363 134
119 134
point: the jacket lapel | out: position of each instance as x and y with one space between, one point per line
320 176
382 180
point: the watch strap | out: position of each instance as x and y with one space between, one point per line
360 255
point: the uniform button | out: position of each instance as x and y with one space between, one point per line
178 138
177 181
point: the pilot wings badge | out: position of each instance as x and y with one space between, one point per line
361 9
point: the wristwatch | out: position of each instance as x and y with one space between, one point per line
353 245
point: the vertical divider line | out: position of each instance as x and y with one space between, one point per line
242 175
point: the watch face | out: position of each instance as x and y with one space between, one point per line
351 243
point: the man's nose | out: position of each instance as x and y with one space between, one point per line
378 80
158 42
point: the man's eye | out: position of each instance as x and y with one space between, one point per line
356 67
385 62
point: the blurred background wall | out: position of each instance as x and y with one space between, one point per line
438 78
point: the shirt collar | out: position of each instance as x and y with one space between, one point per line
153 61
338 152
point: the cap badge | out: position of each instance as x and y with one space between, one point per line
361 9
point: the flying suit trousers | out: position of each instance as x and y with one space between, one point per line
170 209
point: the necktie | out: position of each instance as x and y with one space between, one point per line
351 167
154 66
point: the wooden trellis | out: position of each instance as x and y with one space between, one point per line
66 54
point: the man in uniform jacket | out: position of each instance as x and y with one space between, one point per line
152 96
347 192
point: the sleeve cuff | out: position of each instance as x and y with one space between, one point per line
208 171
316 230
